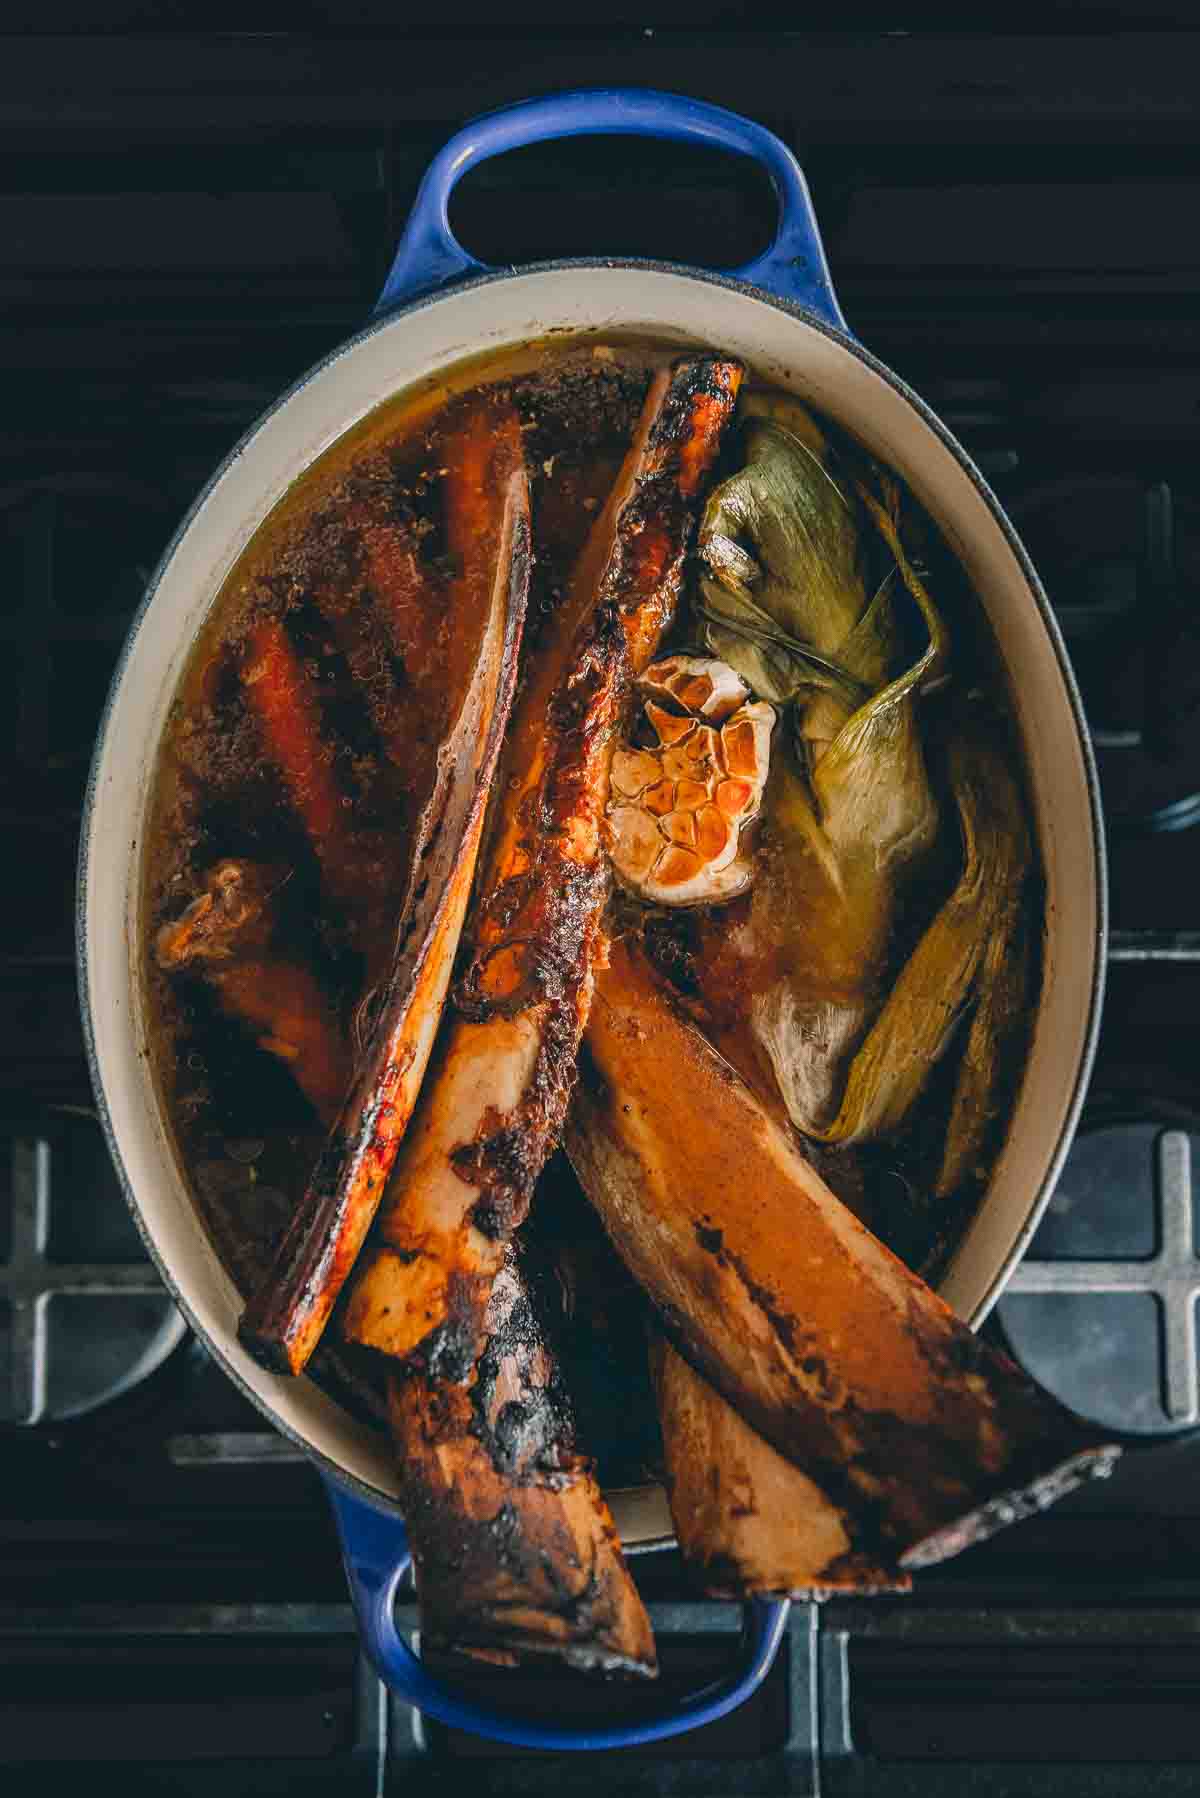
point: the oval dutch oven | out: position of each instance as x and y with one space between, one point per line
439 305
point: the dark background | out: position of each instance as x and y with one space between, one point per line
193 209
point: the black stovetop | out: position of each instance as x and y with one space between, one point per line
188 224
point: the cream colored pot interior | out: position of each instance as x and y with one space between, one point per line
408 349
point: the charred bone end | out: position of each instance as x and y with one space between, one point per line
515 1550
269 1352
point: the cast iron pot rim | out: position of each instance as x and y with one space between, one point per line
411 309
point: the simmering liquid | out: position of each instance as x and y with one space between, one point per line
348 590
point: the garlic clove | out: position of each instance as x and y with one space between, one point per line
676 819
700 684
633 770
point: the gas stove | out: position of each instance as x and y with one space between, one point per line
190 224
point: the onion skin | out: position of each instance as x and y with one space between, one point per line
819 1337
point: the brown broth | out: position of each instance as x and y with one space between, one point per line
353 565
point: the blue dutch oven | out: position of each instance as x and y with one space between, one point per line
439 306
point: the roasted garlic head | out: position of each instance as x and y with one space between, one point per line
678 809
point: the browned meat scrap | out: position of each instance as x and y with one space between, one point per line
821 1339
506 1062
225 934
515 1548
487 504
748 1522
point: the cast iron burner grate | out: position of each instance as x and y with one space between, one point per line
1102 1310
83 1315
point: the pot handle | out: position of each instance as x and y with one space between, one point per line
794 267
376 1552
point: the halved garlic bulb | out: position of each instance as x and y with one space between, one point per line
677 810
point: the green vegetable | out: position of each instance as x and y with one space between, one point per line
807 591
967 947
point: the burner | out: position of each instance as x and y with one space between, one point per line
83 1316
1119 560
1102 1309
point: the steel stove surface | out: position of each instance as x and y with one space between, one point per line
1007 223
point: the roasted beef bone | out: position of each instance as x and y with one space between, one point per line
487 504
817 1335
749 1523
515 1549
494 1105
